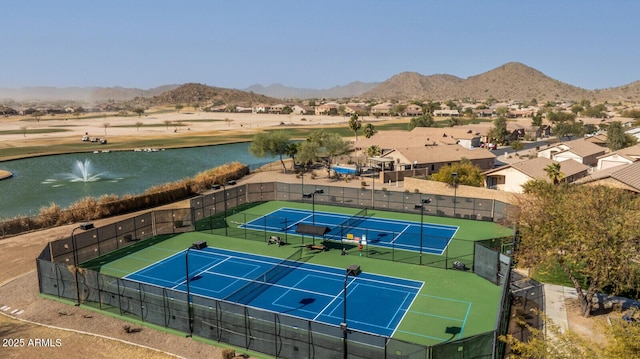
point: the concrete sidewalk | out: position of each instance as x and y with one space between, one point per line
555 307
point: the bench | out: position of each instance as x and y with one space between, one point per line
316 247
275 240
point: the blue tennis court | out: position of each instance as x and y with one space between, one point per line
378 231
376 303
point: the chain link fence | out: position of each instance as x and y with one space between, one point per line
274 334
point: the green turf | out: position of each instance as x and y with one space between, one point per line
451 305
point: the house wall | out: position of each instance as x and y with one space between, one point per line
612 161
513 180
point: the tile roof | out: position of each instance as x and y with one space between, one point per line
534 168
584 148
440 154
628 174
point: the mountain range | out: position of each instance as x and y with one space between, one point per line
511 81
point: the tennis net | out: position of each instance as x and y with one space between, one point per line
343 228
258 285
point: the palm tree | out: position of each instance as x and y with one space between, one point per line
291 150
355 124
373 151
553 171
369 130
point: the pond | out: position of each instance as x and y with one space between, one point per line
63 179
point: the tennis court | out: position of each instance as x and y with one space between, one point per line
376 303
408 235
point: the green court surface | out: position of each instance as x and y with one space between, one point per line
451 305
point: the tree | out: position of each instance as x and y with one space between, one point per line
597 111
369 130
502 111
24 130
334 146
167 123
430 107
554 173
355 124
591 232
318 136
105 125
270 144
468 174
499 130
37 115
517 146
569 129
373 151
139 111
138 124
537 120
576 109
291 150
421 121
398 110
454 121
616 138
179 107
620 341
308 152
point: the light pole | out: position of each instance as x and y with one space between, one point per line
224 194
84 227
454 177
189 306
312 195
420 206
352 270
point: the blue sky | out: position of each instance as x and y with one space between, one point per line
319 44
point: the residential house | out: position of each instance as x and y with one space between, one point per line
383 109
413 110
635 132
302 110
599 138
520 113
623 156
543 131
511 177
6 111
421 137
626 177
430 159
484 112
579 150
242 109
327 108
515 131
261 108
450 113
459 135
277 109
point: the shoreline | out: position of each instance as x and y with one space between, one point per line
57 153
